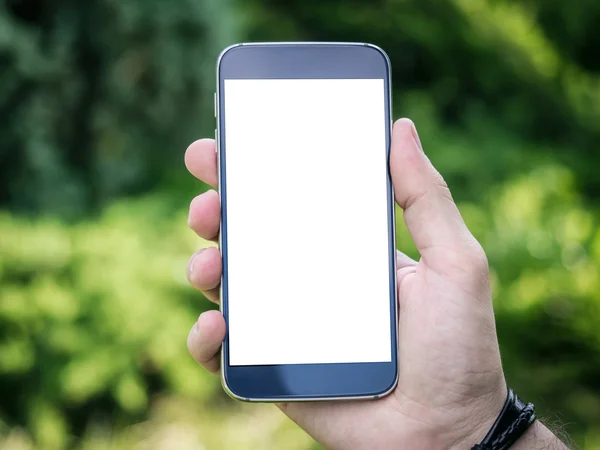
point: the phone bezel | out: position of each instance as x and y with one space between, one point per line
305 382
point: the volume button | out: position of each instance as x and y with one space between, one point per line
215 104
216 142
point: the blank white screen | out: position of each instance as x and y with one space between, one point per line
307 231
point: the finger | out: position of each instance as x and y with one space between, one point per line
214 295
201 161
405 265
205 215
205 339
403 260
204 271
431 216
401 275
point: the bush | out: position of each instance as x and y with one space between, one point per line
181 424
94 317
96 95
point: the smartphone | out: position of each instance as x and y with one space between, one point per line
308 288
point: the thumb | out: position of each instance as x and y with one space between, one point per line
430 213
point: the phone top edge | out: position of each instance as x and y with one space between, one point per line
292 44
303 43
300 44
388 63
223 52
371 62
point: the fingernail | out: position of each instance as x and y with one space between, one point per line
190 266
415 136
195 328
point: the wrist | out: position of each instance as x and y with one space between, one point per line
478 420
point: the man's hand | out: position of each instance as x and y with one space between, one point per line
451 385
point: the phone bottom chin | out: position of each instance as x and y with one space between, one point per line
336 384
316 398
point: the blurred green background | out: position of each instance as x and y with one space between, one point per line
98 101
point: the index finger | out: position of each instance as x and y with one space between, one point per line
201 161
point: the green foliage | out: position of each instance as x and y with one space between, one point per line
180 424
98 100
502 62
544 246
94 316
97 97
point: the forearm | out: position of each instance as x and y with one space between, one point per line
539 437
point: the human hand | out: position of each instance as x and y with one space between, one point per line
451 385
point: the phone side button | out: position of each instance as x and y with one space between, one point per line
216 142
215 104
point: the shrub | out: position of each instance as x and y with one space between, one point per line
94 316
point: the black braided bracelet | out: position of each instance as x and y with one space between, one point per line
514 419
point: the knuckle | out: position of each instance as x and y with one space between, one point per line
478 258
213 365
201 353
441 186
